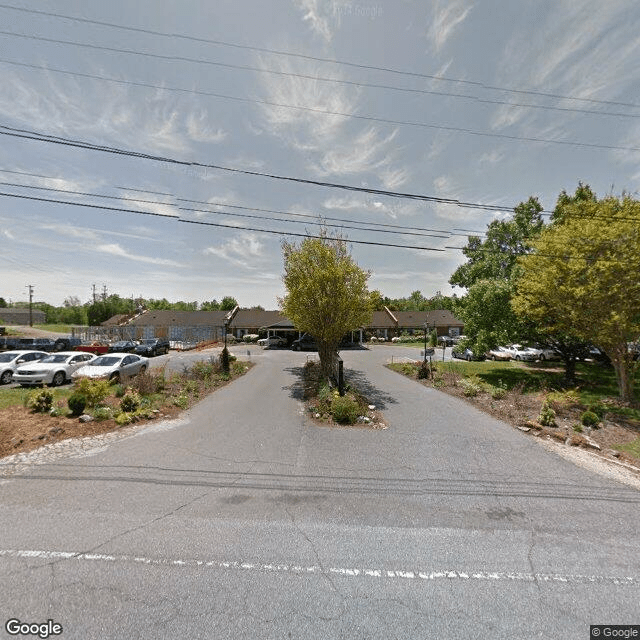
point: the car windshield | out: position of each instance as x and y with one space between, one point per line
8 357
105 361
56 358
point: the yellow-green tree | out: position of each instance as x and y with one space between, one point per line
327 293
583 279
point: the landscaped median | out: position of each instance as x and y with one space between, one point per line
30 418
536 399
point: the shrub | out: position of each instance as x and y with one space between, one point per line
102 413
203 370
599 409
471 387
561 400
40 401
119 390
77 403
94 391
589 419
547 417
345 409
577 428
123 419
181 401
130 401
424 370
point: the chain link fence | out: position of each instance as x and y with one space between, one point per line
180 337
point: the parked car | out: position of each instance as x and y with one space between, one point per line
55 369
8 343
66 344
545 353
152 347
446 341
518 352
499 353
464 354
272 341
122 346
11 360
304 343
114 366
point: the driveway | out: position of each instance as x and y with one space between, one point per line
246 520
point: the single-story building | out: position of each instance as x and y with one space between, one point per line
19 315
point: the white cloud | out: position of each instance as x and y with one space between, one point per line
199 129
320 15
242 251
447 15
8 234
118 251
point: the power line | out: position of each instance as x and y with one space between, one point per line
314 78
331 61
210 224
81 144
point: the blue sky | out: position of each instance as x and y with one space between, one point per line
561 72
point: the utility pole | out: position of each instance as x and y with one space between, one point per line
30 304
104 292
93 286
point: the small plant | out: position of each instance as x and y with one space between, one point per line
547 417
424 371
102 413
130 401
123 419
589 419
471 387
94 391
192 387
599 409
119 390
77 403
181 401
577 428
345 409
40 401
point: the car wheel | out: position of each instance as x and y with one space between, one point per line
518 358
6 377
541 357
58 379
468 358
115 377
493 358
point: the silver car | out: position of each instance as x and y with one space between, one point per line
55 369
113 366
11 360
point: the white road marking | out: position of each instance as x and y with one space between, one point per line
395 574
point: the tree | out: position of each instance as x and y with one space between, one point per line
228 303
327 293
3 303
582 279
488 277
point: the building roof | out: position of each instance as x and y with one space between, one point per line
417 319
255 318
168 317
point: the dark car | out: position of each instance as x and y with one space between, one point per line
152 347
464 354
446 341
123 346
44 344
304 343
67 344
8 343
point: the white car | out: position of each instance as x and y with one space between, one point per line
546 353
55 369
499 353
11 360
272 341
519 352
113 366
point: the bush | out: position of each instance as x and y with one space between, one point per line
94 391
41 401
119 391
599 409
547 417
77 403
577 428
471 387
102 413
424 370
203 370
123 419
589 419
345 409
130 401
181 401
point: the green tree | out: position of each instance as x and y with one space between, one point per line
228 303
582 279
488 277
326 292
3 303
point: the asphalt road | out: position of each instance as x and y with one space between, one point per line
245 520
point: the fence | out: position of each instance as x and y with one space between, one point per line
180 337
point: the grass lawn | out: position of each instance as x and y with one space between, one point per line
17 396
55 328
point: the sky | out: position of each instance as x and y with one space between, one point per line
214 106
